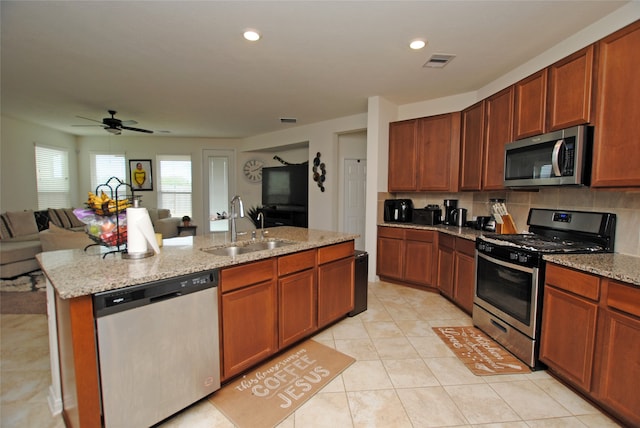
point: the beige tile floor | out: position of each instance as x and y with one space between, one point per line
404 376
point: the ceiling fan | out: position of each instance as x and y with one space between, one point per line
114 125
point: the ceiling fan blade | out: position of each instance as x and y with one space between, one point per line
137 129
87 125
86 118
128 122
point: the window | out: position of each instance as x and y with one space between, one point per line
106 165
52 171
174 189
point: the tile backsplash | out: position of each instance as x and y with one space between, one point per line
625 204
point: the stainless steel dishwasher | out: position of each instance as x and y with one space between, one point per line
158 348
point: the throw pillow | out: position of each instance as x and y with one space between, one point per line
22 223
54 217
4 227
73 220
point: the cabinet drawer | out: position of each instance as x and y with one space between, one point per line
391 232
579 283
465 246
335 252
296 262
420 235
448 241
624 297
251 273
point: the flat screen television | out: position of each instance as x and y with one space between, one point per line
285 186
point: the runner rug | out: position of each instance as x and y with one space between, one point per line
481 354
265 396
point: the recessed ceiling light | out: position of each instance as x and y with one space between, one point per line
417 44
251 35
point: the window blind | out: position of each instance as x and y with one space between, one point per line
107 165
175 184
52 177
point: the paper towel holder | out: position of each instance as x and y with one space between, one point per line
135 256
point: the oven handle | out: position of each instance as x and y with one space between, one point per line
505 264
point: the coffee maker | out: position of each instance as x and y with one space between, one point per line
449 207
398 210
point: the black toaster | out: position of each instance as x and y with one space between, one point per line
428 216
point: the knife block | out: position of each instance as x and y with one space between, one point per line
508 226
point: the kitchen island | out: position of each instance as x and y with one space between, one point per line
325 259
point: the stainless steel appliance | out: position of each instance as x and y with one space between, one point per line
398 210
450 206
510 273
430 215
557 158
460 217
157 348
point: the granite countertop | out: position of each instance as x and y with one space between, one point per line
620 267
461 232
75 273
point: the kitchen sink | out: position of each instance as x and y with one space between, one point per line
237 248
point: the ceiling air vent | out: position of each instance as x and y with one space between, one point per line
439 60
288 120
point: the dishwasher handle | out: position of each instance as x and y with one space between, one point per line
165 297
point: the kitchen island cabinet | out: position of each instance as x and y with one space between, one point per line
591 338
297 290
616 151
248 291
336 276
248 315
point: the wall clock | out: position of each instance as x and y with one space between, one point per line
253 170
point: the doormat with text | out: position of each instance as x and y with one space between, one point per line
481 354
265 396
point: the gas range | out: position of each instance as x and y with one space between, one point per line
510 270
557 232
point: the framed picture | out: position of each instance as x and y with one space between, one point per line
140 174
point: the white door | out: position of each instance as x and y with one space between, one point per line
220 170
355 183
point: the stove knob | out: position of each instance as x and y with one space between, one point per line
523 258
513 256
481 246
489 248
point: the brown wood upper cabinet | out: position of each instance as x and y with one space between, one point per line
439 152
560 96
530 105
498 132
616 148
570 94
486 128
424 154
403 170
471 147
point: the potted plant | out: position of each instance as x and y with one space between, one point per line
186 220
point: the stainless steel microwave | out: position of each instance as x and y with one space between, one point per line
558 158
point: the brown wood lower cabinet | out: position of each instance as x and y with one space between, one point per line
297 309
270 304
407 255
591 338
249 316
456 270
336 269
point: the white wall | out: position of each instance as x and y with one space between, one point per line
148 147
18 190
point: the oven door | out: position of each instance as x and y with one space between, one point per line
508 291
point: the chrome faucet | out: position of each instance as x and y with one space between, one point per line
261 218
240 213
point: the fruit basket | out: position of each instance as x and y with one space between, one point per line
105 214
